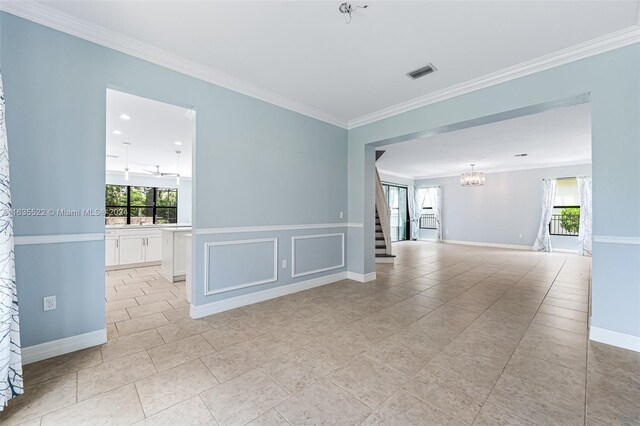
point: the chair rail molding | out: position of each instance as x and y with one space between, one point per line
21 240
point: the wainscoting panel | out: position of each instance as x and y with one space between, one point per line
227 264
311 254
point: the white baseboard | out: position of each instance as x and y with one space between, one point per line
131 265
482 244
385 259
614 338
561 250
260 296
63 346
363 278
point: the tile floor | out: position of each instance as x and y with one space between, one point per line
449 335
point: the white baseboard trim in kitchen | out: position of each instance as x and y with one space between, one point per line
363 278
260 296
614 338
63 346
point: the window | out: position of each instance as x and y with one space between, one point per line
140 205
565 219
427 218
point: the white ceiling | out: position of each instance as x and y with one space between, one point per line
152 131
557 137
306 53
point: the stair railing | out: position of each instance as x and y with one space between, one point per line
384 213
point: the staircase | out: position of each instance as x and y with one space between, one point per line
383 227
381 248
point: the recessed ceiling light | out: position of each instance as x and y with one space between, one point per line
177 143
117 132
127 144
125 117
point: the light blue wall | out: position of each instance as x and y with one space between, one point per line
255 163
506 210
74 273
613 81
307 255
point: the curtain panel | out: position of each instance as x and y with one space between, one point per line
416 198
543 240
435 198
585 236
10 355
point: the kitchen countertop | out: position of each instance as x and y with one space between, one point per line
177 225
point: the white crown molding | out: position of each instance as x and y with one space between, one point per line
44 15
509 169
52 18
615 40
395 174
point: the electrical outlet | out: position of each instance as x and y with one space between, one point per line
341 215
49 303
284 264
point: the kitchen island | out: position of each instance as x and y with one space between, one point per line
174 252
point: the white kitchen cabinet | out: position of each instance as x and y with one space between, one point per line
111 250
131 249
153 248
132 246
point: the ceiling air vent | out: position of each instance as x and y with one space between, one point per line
521 155
421 72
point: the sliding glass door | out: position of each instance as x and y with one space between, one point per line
397 201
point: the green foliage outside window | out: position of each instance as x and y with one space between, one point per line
570 219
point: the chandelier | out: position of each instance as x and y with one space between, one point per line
472 178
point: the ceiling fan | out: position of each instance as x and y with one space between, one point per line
157 172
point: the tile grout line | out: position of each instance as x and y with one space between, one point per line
518 344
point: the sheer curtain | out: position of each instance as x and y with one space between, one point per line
10 355
435 198
584 234
543 240
416 200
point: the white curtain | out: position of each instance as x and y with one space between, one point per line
416 200
10 356
543 240
584 234
435 198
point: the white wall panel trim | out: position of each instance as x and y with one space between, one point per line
611 239
295 274
207 272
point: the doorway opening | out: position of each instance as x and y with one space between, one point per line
148 208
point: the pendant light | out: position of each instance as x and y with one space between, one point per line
178 174
472 178
126 160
